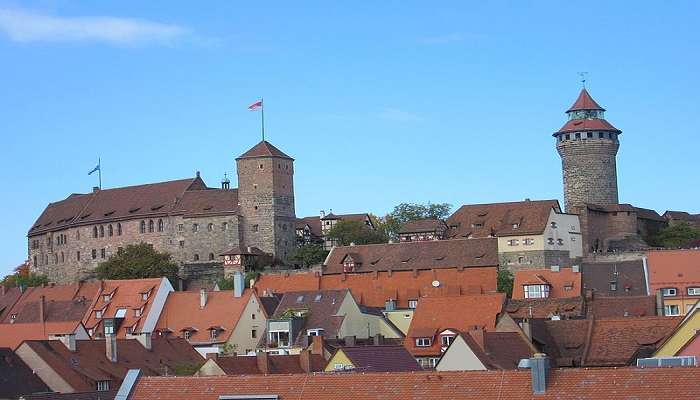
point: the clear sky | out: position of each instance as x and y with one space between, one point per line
379 102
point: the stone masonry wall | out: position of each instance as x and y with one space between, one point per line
589 170
535 259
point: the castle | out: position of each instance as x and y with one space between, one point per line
192 222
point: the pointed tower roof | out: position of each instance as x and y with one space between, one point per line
264 149
585 102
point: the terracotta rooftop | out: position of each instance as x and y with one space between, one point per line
375 289
12 335
498 350
622 306
61 303
585 102
322 306
313 222
16 378
101 395
462 313
584 125
381 358
674 268
423 225
263 149
207 202
182 310
566 307
8 298
629 276
500 219
432 254
278 364
86 366
562 283
564 384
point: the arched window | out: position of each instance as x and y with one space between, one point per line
119 229
210 227
46 259
35 264
211 256
55 258
94 231
110 230
196 257
102 231
142 227
160 225
224 226
63 258
150 225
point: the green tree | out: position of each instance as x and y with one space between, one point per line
505 282
310 254
138 261
22 277
347 232
678 235
406 212
227 283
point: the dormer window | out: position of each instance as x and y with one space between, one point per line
106 298
98 314
145 295
447 340
314 332
213 333
516 225
424 342
513 242
669 292
553 225
536 291
477 225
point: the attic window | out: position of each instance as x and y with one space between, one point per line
207 208
483 214
121 313
300 299
516 225
133 210
318 298
108 213
479 257
405 260
158 207
477 224
439 258
375 261
85 216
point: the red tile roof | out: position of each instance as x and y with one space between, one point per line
278 364
584 125
423 225
12 335
8 298
629 276
432 254
381 358
375 289
565 307
125 295
557 281
622 306
462 313
263 149
584 102
498 219
674 268
314 224
207 202
564 384
86 366
323 310
61 303
222 308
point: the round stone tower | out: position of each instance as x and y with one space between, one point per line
588 144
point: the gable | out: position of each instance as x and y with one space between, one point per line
460 357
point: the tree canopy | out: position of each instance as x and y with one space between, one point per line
405 212
138 261
23 277
505 282
347 232
309 255
680 235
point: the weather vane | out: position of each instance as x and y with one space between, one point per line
583 78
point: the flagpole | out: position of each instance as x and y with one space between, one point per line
99 171
262 117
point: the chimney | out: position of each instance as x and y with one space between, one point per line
659 303
554 268
323 214
378 339
317 345
349 341
263 359
69 341
145 339
111 347
197 174
2 290
575 269
390 305
589 294
305 360
238 284
42 311
526 327
95 189
202 298
539 368
478 335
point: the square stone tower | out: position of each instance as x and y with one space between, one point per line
266 200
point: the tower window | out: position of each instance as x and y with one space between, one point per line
142 227
196 257
150 225
261 166
160 225
210 227
600 135
110 230
195 227
578 135
255 228
224 226
102 231
119 229
568 136
94 231
211 256
589 135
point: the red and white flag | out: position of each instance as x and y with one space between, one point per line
256 105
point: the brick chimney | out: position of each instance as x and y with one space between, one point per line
202 298
477 333
263 359
349 341
378 339
111 347
42 311
317 345
539 369
305 360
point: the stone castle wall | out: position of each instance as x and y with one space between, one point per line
590 171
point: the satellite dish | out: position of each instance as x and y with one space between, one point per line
436 283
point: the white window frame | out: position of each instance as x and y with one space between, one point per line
447 340
314 332
669 292
693 291
424 342
669 313
412 303
536 291
102 386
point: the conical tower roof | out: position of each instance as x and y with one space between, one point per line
264 149
585 102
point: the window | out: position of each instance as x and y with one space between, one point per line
528 241
278 339
477 225
694 291
669 292
613 286
106 297
144 295
536 291
413 303
213 333
196 257
255 228
150 225
314 332
560 242
94 231
103 253
195 227
210 227
513 242
447 340
516 226
180 227
550 241
142 227
423 342
182 243
589 135
102 231
102 386
224 226
554 225
110 230
578 135
186 335
137 312
254 333
211 256
252 316
94 254
63 258
98 314
77 236
161 226
671 310
119 229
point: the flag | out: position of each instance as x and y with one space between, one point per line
97 168
255 106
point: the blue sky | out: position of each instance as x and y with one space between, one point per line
379 102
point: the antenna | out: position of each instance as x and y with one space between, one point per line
583 78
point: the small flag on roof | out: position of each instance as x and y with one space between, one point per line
256 105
